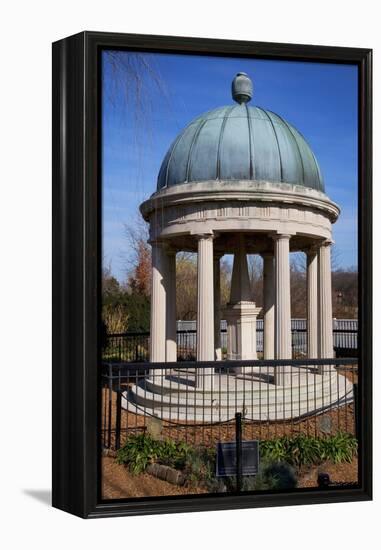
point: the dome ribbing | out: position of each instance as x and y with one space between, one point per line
240 142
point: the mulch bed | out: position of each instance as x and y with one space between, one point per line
343 473
118 482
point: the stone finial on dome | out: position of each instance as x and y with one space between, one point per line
242 88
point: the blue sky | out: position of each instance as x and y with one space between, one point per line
139 126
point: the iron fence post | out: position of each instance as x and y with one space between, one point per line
118 418
238 439
355 405
109 405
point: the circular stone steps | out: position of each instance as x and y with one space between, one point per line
177 399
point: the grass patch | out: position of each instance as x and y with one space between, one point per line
141 450
303 450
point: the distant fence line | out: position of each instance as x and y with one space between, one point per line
134 346
344 333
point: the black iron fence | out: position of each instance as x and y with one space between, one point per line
197 402
128 346
134 346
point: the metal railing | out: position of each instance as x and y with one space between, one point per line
134 346
197 402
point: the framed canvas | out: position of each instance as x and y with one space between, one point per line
212 284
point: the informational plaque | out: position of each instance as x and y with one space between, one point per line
227 458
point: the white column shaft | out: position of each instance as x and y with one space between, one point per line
205 308
312 304
325 302
282 307
217 308
268 307
158 305
171 328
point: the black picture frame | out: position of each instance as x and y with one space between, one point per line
77 271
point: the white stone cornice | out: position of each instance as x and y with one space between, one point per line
239 191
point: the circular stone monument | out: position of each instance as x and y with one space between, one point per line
240 180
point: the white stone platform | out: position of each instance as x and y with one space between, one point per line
175 397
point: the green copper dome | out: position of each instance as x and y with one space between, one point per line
240 142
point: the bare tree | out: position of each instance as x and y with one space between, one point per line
138 261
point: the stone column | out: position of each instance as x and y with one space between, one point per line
268 306
217 308
158 305
325 301
282 307
312 303
171 328
205 308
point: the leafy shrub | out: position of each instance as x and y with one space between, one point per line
302 449
173 453
200 467
274 476
137 453
141 450
341 447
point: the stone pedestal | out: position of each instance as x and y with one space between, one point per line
241 319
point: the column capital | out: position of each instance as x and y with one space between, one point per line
204 236
327 242
281 236
311 250
164 245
